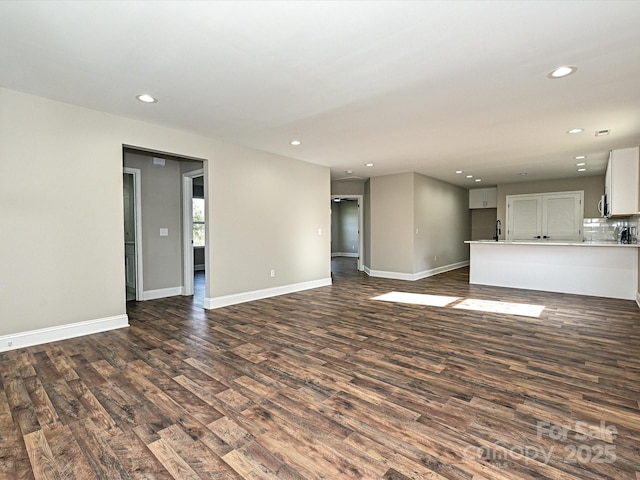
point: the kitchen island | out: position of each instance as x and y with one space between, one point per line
597 269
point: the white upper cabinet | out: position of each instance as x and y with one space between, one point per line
483 198
621 182
552 217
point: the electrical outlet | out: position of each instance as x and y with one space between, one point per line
9 343
273 273
435 258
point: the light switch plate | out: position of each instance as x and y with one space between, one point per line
164 232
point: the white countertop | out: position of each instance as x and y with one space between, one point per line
569 244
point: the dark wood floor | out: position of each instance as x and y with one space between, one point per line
331 384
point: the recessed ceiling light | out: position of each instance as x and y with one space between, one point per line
601 133
146 98
580 157
576 130
581 164
582 169
469 176
368 164
562 72
295 143
478 179
458 171
348 172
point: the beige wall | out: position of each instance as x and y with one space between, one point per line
161 201
593 189
63 259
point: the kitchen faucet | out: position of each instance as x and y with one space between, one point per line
498 230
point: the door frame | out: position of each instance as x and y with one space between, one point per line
187 230
360 199
137 220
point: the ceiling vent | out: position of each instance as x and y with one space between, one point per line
602 133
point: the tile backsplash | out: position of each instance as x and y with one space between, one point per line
608 229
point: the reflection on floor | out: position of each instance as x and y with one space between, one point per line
198 287
346 267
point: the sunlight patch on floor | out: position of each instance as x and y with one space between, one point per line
521 309
417 299
508 308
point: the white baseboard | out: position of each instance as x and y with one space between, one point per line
638 299
345 254
233 299
415 276
162 293
61 332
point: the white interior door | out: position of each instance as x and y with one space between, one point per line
524 218
562 217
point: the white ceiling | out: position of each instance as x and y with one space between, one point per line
430 87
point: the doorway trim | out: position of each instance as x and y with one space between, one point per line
360 199
137 220
187 230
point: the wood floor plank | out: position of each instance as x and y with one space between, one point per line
136 459
174 464
205 463
42 460
70 460
93 443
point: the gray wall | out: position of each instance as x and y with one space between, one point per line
161 201
66 261
344 227
483 223
392 220
351 187
366 225
417 223
443 222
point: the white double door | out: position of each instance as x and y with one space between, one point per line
551 217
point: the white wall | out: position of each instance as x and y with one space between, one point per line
61 210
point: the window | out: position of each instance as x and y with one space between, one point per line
198 222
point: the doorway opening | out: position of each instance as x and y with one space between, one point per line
194 233
132 233
346 228
160 221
